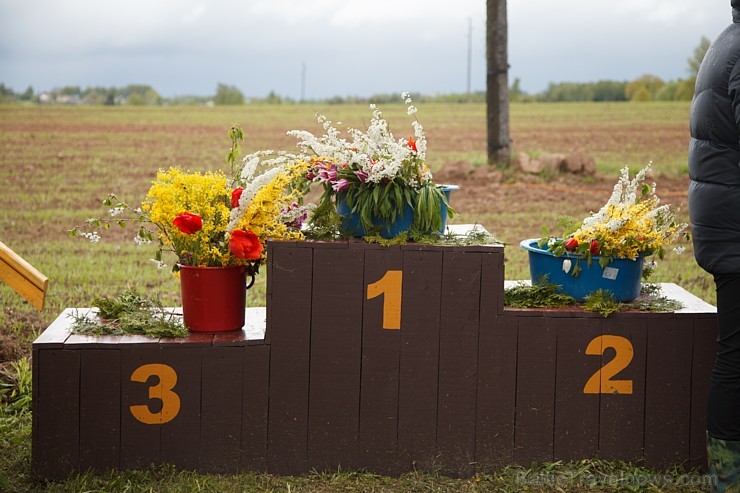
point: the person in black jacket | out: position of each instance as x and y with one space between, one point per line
714 210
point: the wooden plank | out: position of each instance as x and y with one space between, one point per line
255 398
180 437
576 409
59 330
87 342
419 365
493 268
336 338
535 391
100 409
622 414
458 362
57 397
702 362
691 303
496 393
221 409
22 277
668 391
289 332
378 436
35 387
191 340
253 331
497 359
140 442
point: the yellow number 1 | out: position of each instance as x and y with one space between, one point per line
162 391
390 287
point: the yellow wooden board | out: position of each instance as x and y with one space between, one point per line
22 277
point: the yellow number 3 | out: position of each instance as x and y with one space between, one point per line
162 391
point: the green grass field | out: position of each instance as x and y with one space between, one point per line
58 163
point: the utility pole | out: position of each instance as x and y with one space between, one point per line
497 84
303 81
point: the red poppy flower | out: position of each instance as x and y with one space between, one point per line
245 244
235 196
188 223
594 247
412 144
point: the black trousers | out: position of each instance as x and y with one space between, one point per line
723 417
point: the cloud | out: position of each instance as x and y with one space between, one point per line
349 46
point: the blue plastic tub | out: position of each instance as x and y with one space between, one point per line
351 221
622 276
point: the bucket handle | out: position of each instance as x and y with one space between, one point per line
251 281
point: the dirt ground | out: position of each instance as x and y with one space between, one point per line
491 189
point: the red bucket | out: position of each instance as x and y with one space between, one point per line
213 298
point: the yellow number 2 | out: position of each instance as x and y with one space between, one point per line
390 287
162 391
601 382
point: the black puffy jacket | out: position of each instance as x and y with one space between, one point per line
714 154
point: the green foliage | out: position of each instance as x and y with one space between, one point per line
698 56
15 387
657 304
602 301
71 91
370 200
429 200
544 294
685 90
608 90
27 95
650 300
587 475
604 90
515 91
641 94
6 91
476 236
15 452
644 88
130 313
399 239
325 223
679 90
228 95
274 98
236 134
541 294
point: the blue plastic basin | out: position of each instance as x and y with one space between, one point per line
622 276
351 221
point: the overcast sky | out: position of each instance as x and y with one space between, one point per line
348 47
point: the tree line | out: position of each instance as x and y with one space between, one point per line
644 88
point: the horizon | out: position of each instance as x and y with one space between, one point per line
346 48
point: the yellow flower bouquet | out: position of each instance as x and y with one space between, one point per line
631 224
211 220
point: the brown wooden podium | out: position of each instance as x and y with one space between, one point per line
385 359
